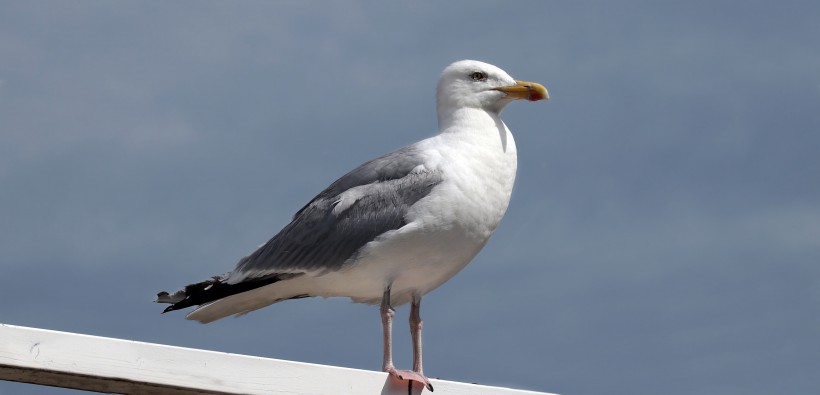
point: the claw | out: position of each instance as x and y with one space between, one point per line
410 376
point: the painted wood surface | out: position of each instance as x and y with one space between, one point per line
93 363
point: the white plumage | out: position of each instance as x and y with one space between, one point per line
396 227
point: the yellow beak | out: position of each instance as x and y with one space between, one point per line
531 91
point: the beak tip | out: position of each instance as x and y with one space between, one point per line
530 91
536 96
539 93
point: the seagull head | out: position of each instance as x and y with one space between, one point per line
474 84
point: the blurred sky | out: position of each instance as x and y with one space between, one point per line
663 237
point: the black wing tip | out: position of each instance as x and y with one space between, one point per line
165 297
210 290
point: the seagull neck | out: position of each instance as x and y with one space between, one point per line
470 118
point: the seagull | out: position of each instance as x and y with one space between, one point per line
396 227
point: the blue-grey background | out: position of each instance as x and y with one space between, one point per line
663 237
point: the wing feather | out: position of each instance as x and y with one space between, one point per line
322 237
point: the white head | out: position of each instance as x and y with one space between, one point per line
474 84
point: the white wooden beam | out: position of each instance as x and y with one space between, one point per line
102 364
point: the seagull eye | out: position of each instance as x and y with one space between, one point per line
478 76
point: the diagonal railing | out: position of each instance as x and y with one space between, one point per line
102 364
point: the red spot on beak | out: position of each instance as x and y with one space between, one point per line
535 96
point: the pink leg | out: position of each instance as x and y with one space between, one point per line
415 332
387 314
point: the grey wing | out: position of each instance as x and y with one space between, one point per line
392 166
328 231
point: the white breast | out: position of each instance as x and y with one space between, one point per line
447 228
